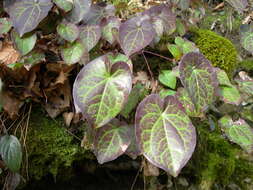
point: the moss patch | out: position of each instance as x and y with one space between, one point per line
50 147
219 50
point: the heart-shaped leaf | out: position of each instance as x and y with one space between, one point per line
135 34
238 132
230 95
101 90
165 133
11 152
114 58
98 12
24 44
111 141
167 78
5 25
68 31
107 31
65 5
133 150
81 7
199 79
27 14
73 52
90 35
223 78
245 84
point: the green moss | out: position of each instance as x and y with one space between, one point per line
49 146
219 50
247 65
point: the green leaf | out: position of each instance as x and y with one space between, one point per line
137 94
73 52
135 34
238 132
175 51
187 103
27 14
68 31
5 25
167 78
230 95
25 44
107 31
199 79
181 29
11 152
245 84
33 58
81 7
165 92
185 45
165 133
111 141
119 57
101 90
223 78
65 5
90 35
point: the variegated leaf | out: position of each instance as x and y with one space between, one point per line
80 8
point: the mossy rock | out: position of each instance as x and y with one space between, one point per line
218 162
50 147
219 50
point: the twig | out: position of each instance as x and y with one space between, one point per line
135 179
158 55
149 70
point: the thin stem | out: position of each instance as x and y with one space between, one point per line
149 70
158 55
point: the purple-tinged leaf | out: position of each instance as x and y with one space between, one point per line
239 5
65 5
107 30
162 18
7 4
27 14
199 79
246 37
90 35
133 150
187 103
68 31
238 132
114 58
81 7
165 133
245 84
135 34
73 52
101 90
111 141
98 12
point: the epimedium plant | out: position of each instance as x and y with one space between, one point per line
163 131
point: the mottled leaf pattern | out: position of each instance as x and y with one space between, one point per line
111 141
73 52
80 8
133 150
27 14
11 152
246 37
238 5
135 34
245 84
230 95
90 35
223 78
165 133
25 44
68 31
199 79
238 132
187 103
101 90
107 30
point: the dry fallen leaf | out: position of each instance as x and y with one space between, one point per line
68 117
8 55
150 169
